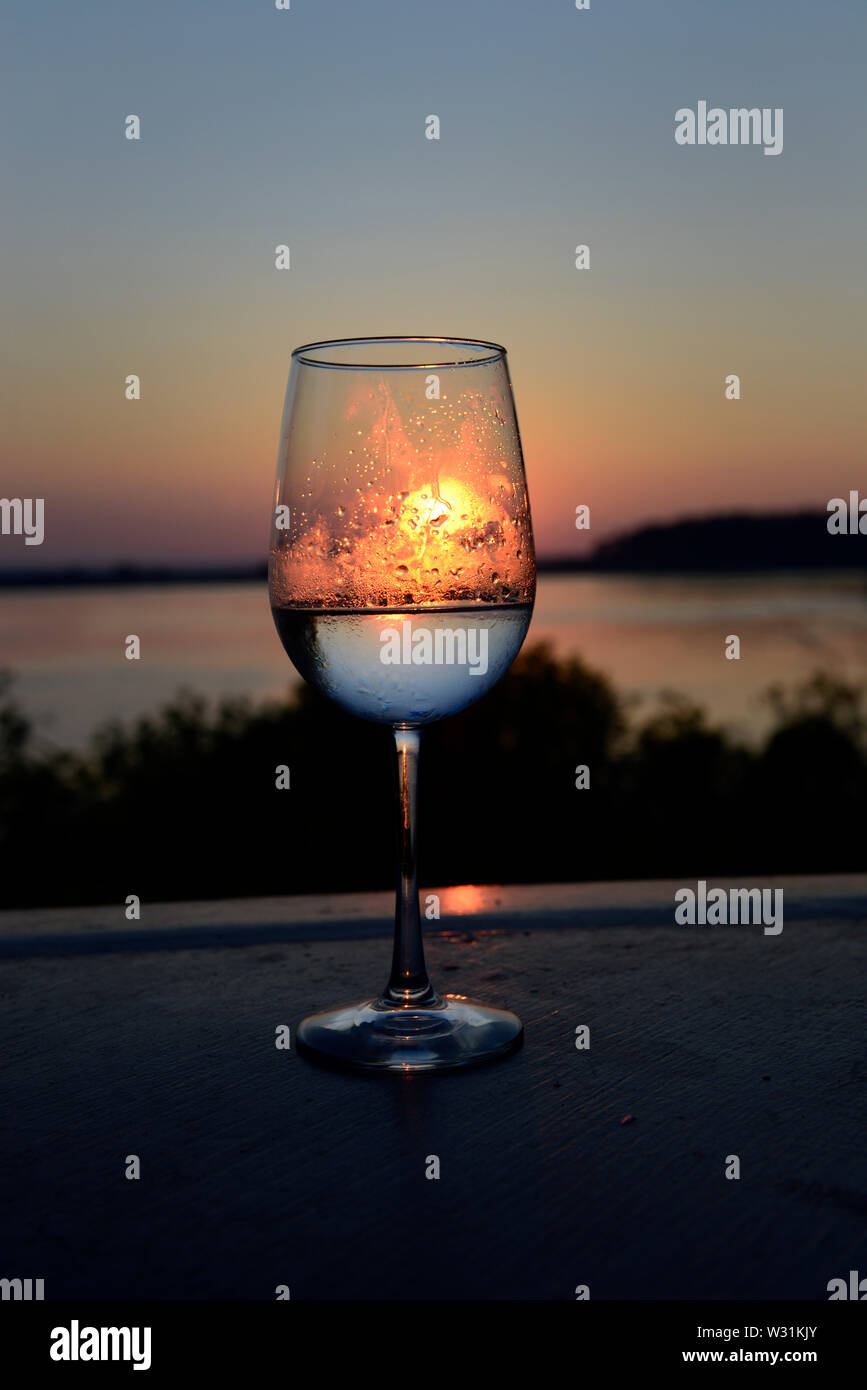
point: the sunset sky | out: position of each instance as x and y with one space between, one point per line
307 127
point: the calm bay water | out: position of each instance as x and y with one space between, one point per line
646 633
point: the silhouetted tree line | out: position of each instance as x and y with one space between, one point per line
789 540
185 804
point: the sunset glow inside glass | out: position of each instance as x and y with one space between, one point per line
402 578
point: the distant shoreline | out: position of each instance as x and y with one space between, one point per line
12 582
737 543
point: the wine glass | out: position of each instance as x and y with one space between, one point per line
402 577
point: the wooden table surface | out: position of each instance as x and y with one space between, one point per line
259 1168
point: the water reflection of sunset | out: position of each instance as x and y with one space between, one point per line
466 898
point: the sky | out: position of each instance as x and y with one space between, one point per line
307 127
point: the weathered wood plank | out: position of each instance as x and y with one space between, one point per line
246 921
259 1168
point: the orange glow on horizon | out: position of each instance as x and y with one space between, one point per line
466 899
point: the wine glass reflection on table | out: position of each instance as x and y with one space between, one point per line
402 577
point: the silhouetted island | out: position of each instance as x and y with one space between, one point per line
740 541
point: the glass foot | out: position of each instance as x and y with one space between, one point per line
451 1032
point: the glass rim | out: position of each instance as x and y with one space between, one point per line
490 352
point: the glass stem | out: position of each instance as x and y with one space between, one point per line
409 983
